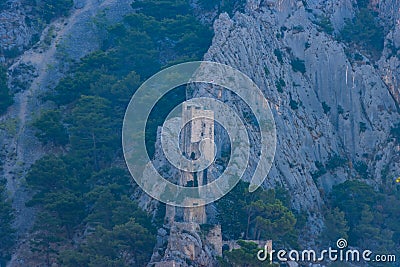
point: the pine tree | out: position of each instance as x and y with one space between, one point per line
93 135
245 256
335 225
51 129
6 99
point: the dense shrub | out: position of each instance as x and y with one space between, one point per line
280 84
325 24
51 9
279 55
371 216
395 132
6 99
293 104
325 107
335 161
364 30
298 65
229 6
362 168
50 129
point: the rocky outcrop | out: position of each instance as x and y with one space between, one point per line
187 245
181 241
15 33
389 64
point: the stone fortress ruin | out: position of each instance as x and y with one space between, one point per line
189 236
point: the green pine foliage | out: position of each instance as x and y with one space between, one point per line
69 203
128 244
395 132
246 255
3 4
52 9
49 10
279 55
6 99
259 215
86 191
48 233
336 226
325 107
298 65
161 9
335 161
94 135
229 6
280 84
364 30
368 217
50 129
325 24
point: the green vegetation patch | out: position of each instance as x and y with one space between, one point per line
86 190
6 98
298 65
370 216
260 215
364 30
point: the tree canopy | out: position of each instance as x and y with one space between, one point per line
6 99
86 190
258 215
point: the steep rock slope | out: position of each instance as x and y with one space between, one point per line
389 64
330 113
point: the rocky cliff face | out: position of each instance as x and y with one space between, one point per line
15 33
185 244
331 111
389 64
333 114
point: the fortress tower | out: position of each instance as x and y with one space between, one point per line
198 125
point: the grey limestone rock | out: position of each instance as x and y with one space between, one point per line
332 107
